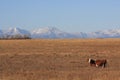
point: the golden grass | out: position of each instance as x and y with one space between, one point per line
58 59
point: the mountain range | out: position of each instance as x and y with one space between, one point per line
53 32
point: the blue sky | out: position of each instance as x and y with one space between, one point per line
67 15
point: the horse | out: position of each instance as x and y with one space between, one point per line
98 63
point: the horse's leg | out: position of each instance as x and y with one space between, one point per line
103 66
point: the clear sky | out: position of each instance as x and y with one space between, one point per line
67 15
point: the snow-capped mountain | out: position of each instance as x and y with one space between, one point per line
49 32
105 34
15 31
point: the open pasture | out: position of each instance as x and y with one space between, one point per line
58 59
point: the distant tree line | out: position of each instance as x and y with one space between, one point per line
17 36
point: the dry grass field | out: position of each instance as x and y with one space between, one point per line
58 59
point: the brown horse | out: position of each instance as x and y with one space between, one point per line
97 63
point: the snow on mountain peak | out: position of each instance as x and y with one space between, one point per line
48 30
14 31
111 33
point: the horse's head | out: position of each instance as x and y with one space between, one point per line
89 60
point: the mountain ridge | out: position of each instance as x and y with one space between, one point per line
53 32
